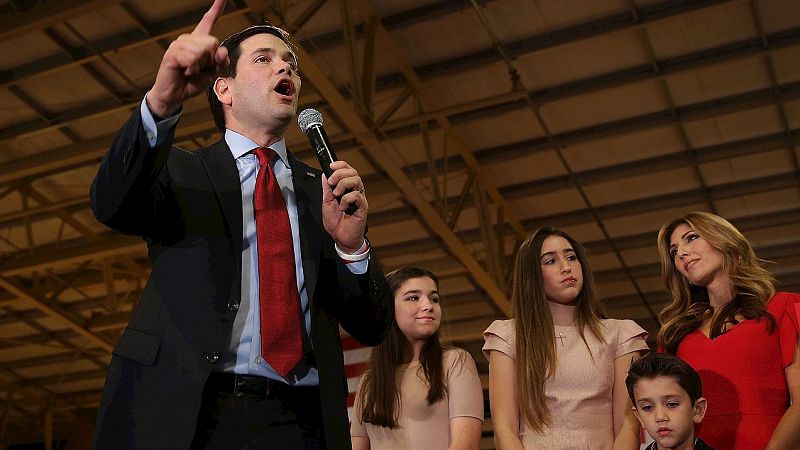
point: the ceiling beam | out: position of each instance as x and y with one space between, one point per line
527 45
47 14
77 155
186 21
108 244
90 151
628 242
128 39
630 207
427 95
755 144
56 312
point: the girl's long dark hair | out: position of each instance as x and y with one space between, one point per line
380 397
533 324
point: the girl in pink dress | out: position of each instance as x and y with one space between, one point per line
729 324
557 370
416 394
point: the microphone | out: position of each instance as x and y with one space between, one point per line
310 122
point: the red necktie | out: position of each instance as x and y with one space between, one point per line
279 301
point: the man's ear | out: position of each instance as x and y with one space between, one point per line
222 91
699 409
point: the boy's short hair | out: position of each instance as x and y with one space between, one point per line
664 365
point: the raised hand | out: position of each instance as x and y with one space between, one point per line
189 65
346 230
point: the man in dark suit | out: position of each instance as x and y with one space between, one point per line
235 342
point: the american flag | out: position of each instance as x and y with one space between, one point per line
356 357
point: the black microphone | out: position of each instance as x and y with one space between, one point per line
310 122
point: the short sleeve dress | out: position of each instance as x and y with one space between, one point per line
744 377
579 395
422 426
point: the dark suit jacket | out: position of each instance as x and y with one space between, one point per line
188 208
698 445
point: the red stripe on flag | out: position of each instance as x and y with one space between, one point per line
354 370
348 343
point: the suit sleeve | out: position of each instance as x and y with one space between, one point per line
131 179
365 308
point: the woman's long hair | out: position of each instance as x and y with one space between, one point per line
752 285
380 397
535 337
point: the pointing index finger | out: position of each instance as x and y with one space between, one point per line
210 18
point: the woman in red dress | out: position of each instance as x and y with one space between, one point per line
727 321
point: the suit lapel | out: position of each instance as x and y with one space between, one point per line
308 195
221 168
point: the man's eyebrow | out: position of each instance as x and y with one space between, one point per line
292 55
272 50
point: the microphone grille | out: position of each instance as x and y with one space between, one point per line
307 118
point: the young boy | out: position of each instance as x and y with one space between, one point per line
666 395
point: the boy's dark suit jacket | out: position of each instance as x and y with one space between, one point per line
698 445
187 207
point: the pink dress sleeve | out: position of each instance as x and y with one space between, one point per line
356 426
464 390
630 338
500 336
785 307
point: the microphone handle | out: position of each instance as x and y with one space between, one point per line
325 155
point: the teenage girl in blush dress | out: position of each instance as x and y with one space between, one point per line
557 369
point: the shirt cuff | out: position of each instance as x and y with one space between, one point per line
357 262
156 131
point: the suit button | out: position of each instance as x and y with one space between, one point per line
212 357
233 306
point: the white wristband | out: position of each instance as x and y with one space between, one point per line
360 255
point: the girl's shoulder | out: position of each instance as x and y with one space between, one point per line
499 336
456 359
625 334
454 354
504 329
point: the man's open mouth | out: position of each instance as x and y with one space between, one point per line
285 87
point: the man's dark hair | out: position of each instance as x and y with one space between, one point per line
664 365
233 44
